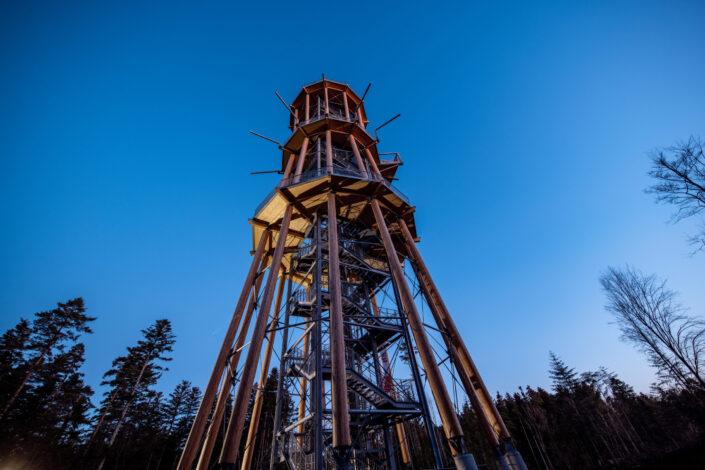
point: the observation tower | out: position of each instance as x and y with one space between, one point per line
333 299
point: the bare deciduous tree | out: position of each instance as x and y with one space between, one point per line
679 172
650 316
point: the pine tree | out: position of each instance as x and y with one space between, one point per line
564 377
49 334
177 414
129 381
45 399
13 345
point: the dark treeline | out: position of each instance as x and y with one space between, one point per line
596 420
49 421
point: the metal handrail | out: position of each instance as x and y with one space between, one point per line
317 113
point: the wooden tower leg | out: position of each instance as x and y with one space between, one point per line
339 388
231 444
480 398
451 424
263 374
212 433
199 422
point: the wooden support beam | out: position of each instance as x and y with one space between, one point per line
307 109
345 105
451 424
475 387
329 152
199 422
287 170
224 392
296 202
358 157
263 374
231 443
275 226
327 102
373 164
339 387
300 162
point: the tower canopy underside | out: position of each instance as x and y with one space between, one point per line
353 195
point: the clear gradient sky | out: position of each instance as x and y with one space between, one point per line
125 159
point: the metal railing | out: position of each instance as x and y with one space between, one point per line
317 111
384 160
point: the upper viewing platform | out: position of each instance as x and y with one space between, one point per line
327 98
329 136
331 151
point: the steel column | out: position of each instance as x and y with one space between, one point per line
387 368
317 405
418 383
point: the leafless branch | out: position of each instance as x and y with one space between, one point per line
679 172
650 316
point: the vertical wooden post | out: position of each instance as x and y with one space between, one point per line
287 170
358 158
451 424
346 106
204 457
318 154
329 151
373 164
263 374
300 162
327 103
199 421
339 387
307 109
231 443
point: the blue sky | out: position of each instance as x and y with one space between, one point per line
125 159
